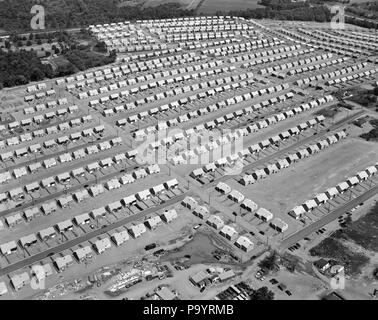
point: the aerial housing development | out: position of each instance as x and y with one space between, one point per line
216 158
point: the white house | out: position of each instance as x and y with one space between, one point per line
137 230
215 221
229 233
169 215
244 243
263 214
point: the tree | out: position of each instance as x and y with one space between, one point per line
37 74
262 293
270 262
101 46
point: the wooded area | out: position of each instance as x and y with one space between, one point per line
15 14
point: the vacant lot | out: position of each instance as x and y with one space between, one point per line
310 176
332 248
363 231
212 6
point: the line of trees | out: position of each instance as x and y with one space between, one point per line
21 67
15 14
280 11
83 59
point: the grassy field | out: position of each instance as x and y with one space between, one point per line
363 231
154 3
359 1
212 6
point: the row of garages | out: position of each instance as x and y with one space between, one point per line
28 136
291 158
321 198
158 83
63 158
256 148
48 144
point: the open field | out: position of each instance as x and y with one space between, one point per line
212 6
153 3
363 231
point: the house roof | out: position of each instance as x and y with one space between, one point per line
262 212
